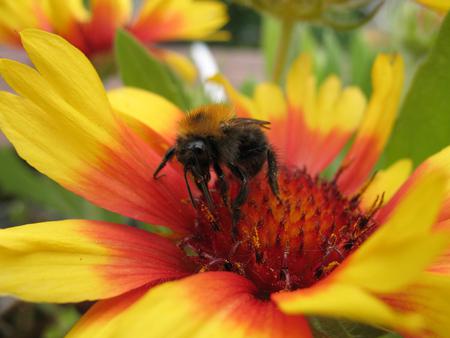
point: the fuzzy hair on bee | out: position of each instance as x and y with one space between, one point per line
211 137
205 121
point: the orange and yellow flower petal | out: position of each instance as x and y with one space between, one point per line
178 19
76 260
63 124
66 18
372 135
386 183
99 321
211 304
105 17
441 6
320 121
64 13
382 267
429 297
19 14
439 162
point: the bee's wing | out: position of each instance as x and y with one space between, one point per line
244 121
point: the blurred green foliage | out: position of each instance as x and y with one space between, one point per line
138 68
423 127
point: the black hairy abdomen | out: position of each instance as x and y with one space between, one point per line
245 147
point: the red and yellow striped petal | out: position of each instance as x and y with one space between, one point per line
99 321
19 14
211 304
382 267
439 162
387 84
63 124
76 260
66 18
321 121
160 20
430 298
105 17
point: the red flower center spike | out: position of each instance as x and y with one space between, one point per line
280 245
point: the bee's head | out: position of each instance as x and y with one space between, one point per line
194 154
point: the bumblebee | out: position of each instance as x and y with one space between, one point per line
211 137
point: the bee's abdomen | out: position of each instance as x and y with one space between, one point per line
252 150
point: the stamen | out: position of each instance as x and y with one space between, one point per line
281 244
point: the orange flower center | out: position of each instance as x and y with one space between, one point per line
280 245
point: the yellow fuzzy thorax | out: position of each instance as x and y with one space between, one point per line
205 120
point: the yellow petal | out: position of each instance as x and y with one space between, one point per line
429 297
69 73
160 20
386 183
441 6
298 81
345 301
139 107
376 126
117 12
63 14
383 262
73 261
99 321
17 15
440 162
211 304
270 102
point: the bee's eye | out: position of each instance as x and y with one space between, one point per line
197 146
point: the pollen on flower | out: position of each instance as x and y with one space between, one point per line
287 244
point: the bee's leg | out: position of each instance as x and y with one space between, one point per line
186 180
272 173
241 196
223 185
167 157
202 184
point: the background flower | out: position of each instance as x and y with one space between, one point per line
93 30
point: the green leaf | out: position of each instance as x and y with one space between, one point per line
138 68
270 34
423 127
362 57
19 180
334 52
334 328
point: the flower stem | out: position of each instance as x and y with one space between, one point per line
287 28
